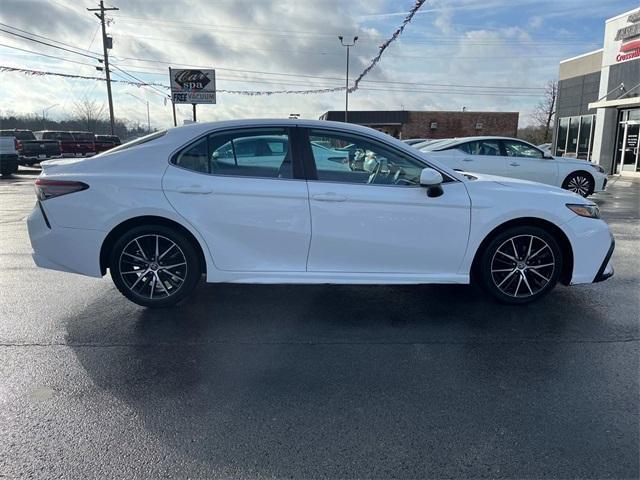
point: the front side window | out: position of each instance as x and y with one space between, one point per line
519 149
248 153
342 157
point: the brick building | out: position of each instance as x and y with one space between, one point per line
436 124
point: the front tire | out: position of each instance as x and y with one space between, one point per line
520 265
155 266
580 182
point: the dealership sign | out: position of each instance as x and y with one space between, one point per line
193 86
630 38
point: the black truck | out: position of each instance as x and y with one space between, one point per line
31 150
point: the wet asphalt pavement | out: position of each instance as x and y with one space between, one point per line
250 381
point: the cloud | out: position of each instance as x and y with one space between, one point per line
490 46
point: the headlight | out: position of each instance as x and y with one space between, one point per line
584 209
598 168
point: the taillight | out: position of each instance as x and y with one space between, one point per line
18 144
46 189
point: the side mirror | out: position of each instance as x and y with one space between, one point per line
547 156
431 179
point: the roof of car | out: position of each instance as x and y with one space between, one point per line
190 131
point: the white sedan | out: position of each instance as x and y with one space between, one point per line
515 158
249 202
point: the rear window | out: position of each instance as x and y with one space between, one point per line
19 134
137 141
83 136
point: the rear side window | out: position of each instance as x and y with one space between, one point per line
263 152
481 147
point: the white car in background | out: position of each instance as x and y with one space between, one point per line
256 201
510 157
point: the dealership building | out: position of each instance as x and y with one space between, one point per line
432 124
598 109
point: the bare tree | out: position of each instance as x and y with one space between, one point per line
545 110
89 113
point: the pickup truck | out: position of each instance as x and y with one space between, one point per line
106 142
70 146
30 150
8 156
86 142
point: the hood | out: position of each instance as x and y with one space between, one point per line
573 161
524 185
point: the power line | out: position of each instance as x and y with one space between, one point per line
300 75
48 44
46 55
48 38
243 30
273 92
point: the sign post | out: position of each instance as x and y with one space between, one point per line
192 86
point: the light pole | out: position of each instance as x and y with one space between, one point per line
148 117
346 92
45 110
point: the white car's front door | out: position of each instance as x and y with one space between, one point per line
528 163
380 220
239 190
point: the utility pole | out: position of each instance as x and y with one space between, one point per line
148 116
346 91
106 45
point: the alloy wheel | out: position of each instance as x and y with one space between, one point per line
153 266
523 266
579 184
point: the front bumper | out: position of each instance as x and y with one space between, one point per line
591 245
606 269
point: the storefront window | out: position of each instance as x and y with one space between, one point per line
572 143
575 136
584 136
563 127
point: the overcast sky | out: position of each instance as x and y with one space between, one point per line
493 55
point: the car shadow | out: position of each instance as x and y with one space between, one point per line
309 380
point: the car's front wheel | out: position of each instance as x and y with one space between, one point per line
579 182
155 266
520 265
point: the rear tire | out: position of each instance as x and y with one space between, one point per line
581 183
155 266
520 265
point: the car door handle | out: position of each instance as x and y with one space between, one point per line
194 190
329 197
467 159
514 164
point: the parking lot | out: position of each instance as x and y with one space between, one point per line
264 381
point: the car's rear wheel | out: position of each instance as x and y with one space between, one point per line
155 266
579 182
520 265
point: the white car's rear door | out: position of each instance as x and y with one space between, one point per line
251 208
